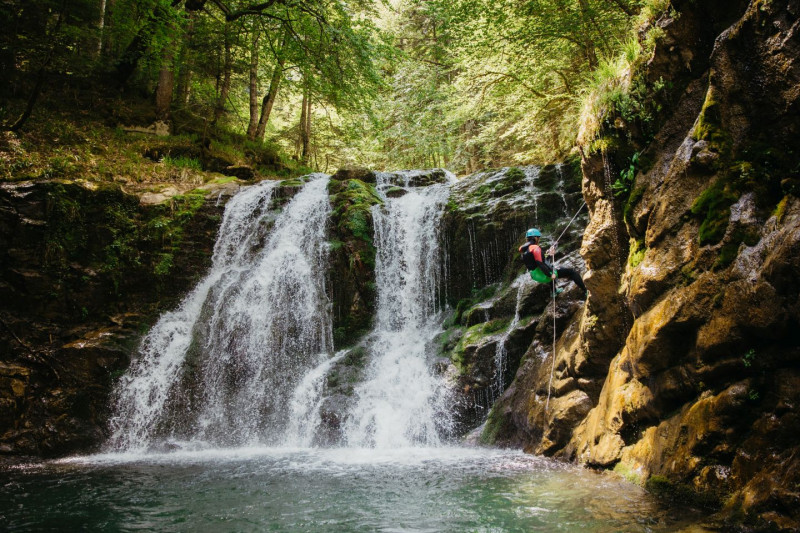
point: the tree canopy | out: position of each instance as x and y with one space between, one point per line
464 84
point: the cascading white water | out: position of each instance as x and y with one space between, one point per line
224 367
501 351
401 403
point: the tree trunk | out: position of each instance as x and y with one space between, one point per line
272 93
301 139
252 127
166 83
305 130
589 46
269 99
42 73
106 43
226 78
101 25
185 69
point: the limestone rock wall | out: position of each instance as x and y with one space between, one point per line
682 369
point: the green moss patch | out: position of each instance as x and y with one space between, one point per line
352 202
465 304
632 475
730 250
637 252
473 336
714 205
630 204
497 426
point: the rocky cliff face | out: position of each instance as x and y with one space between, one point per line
682 368
83 272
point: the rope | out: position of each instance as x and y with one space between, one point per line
570 222
553 282
553 365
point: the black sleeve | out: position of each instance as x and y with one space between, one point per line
544 267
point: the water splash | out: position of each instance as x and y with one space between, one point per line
304 417
401 403
222 369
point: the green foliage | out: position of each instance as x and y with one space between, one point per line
623 185
489 83
637 252
182 162
749 357
164 265
464 84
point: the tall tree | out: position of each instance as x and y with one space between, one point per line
166 83
272 93
253 92
224 76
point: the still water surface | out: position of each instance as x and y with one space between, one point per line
340 490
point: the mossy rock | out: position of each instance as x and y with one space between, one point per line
352 258
665 488
463 356
351 202
714 204
498 427
361 174
395 192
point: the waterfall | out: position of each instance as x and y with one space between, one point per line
244 359
224 368
401 402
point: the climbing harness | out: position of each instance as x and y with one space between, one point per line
552 253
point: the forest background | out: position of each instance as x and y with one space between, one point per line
325 84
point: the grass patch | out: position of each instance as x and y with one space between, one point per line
182 162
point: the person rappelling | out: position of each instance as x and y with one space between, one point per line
539 269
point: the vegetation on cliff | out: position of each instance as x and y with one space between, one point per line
419 84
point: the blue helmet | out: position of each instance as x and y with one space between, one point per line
533 232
